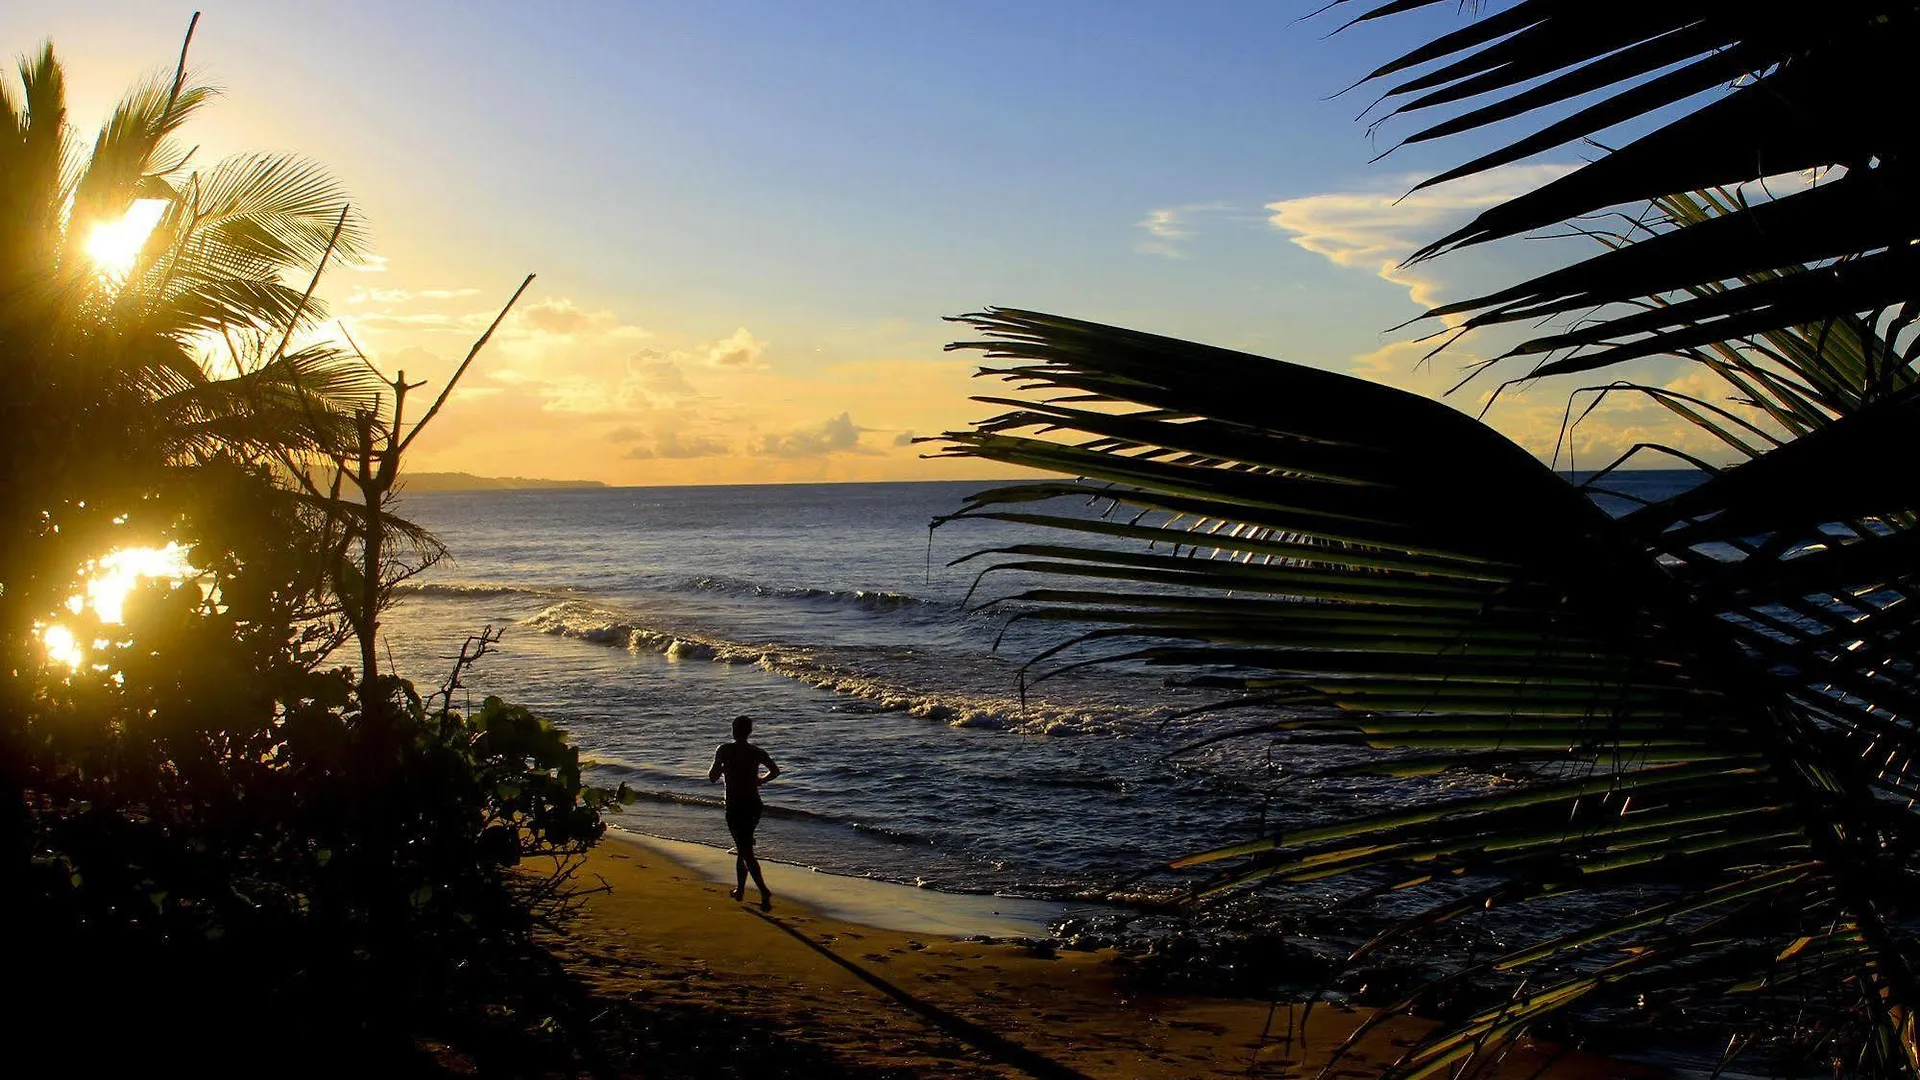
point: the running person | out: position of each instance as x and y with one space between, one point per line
739 762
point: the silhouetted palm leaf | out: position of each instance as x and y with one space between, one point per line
1814 90
1713 688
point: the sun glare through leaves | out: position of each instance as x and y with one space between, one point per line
61 647
110 579
114 246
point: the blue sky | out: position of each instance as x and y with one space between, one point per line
748 218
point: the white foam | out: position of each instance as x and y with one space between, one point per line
590 622
881 904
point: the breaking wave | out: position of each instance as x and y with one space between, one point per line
590 622
865 599
475 590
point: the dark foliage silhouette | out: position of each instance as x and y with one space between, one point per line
247 856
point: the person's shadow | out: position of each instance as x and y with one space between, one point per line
987 1041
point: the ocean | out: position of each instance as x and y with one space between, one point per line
644 619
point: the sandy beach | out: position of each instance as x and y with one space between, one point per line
859 978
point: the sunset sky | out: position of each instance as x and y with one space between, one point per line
749 219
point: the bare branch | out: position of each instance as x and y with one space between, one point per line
180 68
321 268
462 369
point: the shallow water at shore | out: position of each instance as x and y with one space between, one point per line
883 904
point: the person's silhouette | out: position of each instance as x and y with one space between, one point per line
739 762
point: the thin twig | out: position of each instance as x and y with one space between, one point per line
462 369
180 68
300 309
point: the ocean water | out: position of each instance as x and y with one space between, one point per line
644 619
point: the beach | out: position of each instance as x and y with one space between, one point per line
1175 580
689 982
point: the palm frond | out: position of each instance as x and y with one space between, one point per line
305 400
33 147
133 146
257 215
1711 689
1808 92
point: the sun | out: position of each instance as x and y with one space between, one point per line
114 246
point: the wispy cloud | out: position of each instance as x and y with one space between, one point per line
1169 227
416 320
559 315
402 296
673 445
1165 224
659 378
1379 226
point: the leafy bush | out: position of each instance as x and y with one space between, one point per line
263 845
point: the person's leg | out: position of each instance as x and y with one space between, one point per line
753 864
766 898
742 850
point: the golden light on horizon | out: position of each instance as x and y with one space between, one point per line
112 577
114 246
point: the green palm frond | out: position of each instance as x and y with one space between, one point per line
133 148
1810 87
1711 689
258 214
304 401
1782 383
33 148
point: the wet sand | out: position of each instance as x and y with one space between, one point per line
872 979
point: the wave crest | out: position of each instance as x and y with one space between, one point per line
866 599
474 590
589 622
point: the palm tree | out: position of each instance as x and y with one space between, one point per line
130 356
1706 700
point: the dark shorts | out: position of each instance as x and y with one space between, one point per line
742 819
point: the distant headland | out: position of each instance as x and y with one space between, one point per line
459 481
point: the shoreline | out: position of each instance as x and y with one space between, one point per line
804 991
872 902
